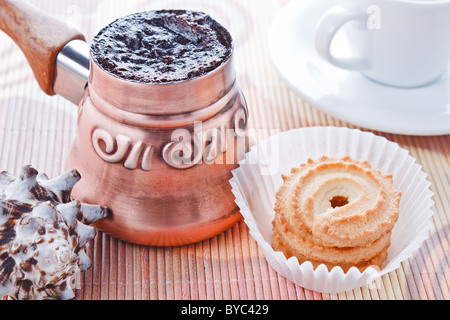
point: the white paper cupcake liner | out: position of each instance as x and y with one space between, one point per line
257 179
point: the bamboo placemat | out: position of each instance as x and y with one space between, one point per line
38 129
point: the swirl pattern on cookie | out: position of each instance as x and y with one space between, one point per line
339 212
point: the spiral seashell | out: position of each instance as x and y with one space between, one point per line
336 211
43 234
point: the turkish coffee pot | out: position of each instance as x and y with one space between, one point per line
158 155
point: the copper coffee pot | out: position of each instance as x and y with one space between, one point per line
158 155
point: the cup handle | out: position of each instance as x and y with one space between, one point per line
326 29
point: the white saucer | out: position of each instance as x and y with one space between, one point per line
347 95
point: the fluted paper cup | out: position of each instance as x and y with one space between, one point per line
257 179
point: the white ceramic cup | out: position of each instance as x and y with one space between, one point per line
403 43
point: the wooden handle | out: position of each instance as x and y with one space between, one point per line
40 37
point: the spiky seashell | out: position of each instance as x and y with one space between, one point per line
43 234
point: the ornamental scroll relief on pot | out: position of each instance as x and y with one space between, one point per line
185 149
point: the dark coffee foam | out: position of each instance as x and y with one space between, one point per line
161 46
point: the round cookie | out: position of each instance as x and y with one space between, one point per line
337 212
